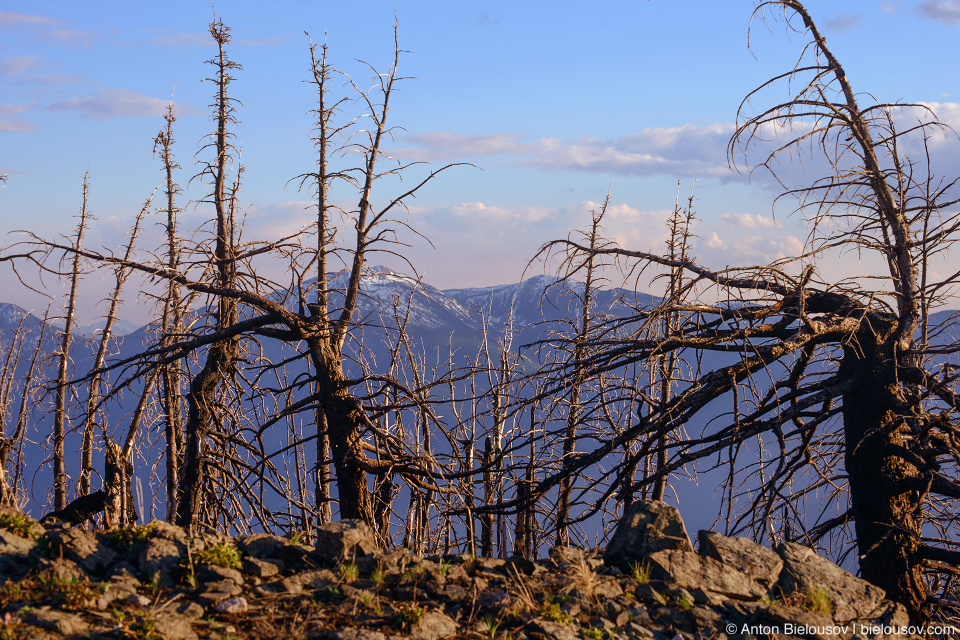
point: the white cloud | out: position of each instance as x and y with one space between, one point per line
687 150
10 21
10 123
947 11
714 242
18 65
70 37
499 215
762 250
112 103
749 220
843 21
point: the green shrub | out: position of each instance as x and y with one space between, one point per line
220 554
19 524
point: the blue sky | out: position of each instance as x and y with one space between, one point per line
555 103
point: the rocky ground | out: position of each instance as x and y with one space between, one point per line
155 582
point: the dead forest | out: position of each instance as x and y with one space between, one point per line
825 410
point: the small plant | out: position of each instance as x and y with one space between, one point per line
47 547
143 628
768 599
640 571
818 601
297 537
594 633
220 554
408 615
19 524
188 569
379 576
685 601
8 626
552 611
48 588
444 568
490 626
133 538
413 574
348 572
584 577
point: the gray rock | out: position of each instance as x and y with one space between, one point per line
519 565
295 555
804 571
746 556
553 630
233 605
759 614
314 579
261 545
703 576
139 600
700 622
174 627
168 531
62 568
159 559
345 540
190 610
215 573
433 626
607 588
215 593
12 543
115 591
89 552
261 568
647 527
355 634
64 623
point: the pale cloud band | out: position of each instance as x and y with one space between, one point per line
111 103
684 151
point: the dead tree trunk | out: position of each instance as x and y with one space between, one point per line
886 511
171 326
204 413
60 409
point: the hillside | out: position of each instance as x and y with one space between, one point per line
154 582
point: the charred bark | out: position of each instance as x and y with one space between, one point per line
886 510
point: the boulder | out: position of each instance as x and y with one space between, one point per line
433 626
261 545
344 541
89 552
12 543
64 623
805 571
743 555
159 560
705 577
647 527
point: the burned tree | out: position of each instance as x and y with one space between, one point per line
847 381
204 402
